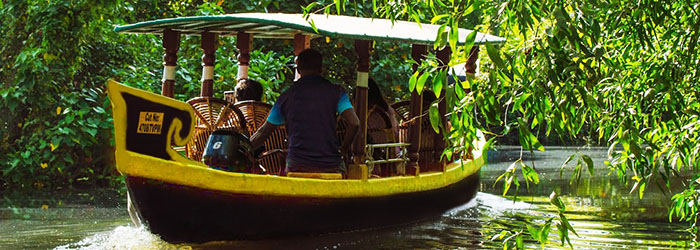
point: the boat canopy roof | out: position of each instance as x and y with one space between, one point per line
285 26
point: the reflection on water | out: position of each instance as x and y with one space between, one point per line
601 210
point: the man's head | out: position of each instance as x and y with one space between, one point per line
247 89
309 62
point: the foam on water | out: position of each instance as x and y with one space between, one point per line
122 237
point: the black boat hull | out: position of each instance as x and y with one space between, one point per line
179 213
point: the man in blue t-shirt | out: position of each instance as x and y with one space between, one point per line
308 110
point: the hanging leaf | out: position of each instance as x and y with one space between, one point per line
529 173
589 162
441 39
438 83
437 18
412 82
450 98
434 114
527 139
459 91
564 235
470 9
421 82
494 55
454 34
469 42
556 201
517 105
534 232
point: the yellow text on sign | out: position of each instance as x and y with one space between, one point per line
150 123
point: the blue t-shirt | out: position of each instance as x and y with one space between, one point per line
308 109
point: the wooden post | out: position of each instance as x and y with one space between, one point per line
301 42
443 56
171 43
362 50
414 115
244 42
208 60
470 66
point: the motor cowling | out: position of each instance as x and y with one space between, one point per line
228 150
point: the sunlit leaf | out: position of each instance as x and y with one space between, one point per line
589 162
556 201
437 18
454 34
421 82
435 117
530 174
494 55
527 139
469 42
459 91
534 232
412 81
438 84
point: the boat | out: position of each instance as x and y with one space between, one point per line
159 140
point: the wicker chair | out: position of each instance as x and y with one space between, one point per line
212 114
402 110
274 158
380 130
427 149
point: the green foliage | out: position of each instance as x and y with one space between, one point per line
684 207
540 234
622 72
511 178
271 70
55 118
55 123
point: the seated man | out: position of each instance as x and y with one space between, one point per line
308 110
247 89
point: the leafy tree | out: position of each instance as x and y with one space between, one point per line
55 122
625 72
54 113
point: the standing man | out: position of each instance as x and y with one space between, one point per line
308 110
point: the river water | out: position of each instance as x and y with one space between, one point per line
602 211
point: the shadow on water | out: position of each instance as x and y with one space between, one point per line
602 211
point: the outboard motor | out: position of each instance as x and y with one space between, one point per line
228 150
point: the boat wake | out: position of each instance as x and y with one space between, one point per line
122 237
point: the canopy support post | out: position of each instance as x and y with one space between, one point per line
208 60
443 56
470 65
301 42
418 52
171 43
362 50
244 42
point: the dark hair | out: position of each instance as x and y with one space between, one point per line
374 95
309 60
247 89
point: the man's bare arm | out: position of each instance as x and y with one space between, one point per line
353 125
262 134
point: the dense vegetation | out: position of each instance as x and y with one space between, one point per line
615 72
624 72
55 119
